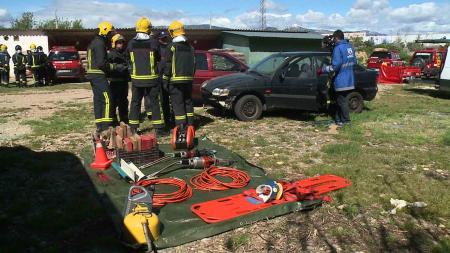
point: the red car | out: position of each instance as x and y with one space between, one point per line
429 61
65 63
384 56
213 64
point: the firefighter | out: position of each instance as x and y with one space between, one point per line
97 68
118 79
43 71
163 39
179 73
20 63
4 65
33 63
143 55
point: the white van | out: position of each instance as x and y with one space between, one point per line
444 80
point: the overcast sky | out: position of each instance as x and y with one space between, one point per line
404 16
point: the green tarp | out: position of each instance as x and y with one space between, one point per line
179 224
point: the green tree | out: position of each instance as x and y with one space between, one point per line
25 21
58 23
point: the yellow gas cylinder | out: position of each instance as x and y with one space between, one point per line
135 221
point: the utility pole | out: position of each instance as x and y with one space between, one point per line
262 10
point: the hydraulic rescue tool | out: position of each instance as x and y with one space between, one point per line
265 196
142 227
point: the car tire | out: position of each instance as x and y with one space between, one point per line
355 102
248 108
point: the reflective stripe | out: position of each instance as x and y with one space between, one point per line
152 68
134 64
166 77
144 77
174 74
149 113
158 122
182 78
103 120
90 70
190 114
134 122
105 94
180 117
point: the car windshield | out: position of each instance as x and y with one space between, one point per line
63 56
425 56
381 55
269 65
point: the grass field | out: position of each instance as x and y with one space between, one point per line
399 148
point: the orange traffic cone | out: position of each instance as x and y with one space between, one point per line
101 161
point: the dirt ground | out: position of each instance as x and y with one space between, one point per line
17 108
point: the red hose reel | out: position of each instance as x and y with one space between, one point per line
183 137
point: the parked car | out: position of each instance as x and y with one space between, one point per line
429 61
378 57
213 64
65 63
286 81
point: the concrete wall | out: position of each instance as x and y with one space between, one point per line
24 42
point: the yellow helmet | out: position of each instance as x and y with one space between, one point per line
104 28
143 25
176 29
32 46
3 47
117 37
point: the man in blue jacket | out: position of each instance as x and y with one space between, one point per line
344 59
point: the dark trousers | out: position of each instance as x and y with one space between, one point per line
38 76
152 94
21 77
181 97
164 99
4 76
119 100
342 113
102 102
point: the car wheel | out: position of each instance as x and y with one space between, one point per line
248 108
355 102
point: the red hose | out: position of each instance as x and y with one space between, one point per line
161 199
207 179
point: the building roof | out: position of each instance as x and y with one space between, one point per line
283 35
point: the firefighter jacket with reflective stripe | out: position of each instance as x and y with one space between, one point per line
97 62
120 66
143 56
36 59
20 61
180 62
4 60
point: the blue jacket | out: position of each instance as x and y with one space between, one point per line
344 59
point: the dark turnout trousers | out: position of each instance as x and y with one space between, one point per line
21 77
4 76
103 110
152 94
119 100
181 98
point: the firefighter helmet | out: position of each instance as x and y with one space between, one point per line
143 25
104 28
3 47
18 47
33 46
39 48
176 29
115 39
